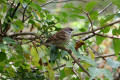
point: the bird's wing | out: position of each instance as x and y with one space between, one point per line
58 36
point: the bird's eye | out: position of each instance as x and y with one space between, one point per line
71 29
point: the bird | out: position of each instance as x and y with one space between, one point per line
60 38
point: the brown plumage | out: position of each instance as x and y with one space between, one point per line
60 38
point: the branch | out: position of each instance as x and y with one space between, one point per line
75 60
15 10
110 24
47 3
75 72
99 13
113 37
23 19
103 56
29 38
53 1
27 17
92 35
20 34
91 22
87 37
7 27
105 8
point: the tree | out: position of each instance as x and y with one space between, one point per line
92 54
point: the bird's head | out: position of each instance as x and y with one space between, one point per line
68 30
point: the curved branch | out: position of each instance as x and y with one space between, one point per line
110 24
20 34
104 56
53 1
102 35
105 8
75 60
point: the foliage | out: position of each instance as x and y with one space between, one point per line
25 24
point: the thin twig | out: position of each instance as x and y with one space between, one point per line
53 1
110 24
11 6
29 38
92 35
20 34
7 27
106 7
27 17
47 3
91 22
102 35
99 13
23 19
12 15
88 37
103 56
76 73
75 60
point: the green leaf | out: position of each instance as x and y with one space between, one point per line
112 63
95 72
35 15
54 53
3 1
17 59
88 60
90 6
83 29
2 67
107 74
3 46
9 40
69 5
116 45
31 21
116 31
69 64
5 8
116 2
19 49
76 16
99 39
2 56
35 6
94 15
105 30
21 1
18 25
68 71
71 46
104 21
62 74
35 56
26 48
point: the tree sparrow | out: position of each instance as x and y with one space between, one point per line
61 37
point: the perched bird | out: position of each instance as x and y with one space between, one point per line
60 38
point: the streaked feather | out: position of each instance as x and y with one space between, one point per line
60 38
